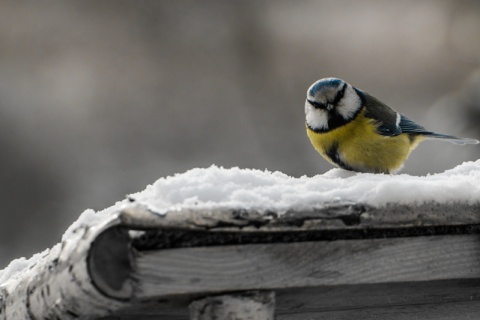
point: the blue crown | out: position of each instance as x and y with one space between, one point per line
324 83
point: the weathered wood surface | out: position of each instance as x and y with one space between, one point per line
286 265
335 215
450 299
254 305
453 299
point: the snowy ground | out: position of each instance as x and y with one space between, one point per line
217 187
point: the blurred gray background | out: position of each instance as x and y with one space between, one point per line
100 98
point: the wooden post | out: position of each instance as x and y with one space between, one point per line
253 305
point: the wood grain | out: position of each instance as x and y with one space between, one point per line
445 299
208 270
454 311
325 216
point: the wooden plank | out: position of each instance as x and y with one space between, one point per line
446 299
398 294
455 311
208 270
324 216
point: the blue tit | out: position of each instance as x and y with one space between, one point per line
355 131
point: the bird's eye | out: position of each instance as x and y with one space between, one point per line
340 94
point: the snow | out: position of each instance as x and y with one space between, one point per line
217 187
13 270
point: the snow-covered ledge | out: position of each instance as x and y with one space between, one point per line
114 259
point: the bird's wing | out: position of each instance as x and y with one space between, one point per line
409 126
389 121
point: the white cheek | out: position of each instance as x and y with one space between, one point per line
350 104
316 118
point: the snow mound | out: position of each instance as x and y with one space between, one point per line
217 187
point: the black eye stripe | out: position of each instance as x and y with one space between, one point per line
317 104
340 94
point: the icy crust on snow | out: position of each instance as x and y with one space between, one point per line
217 187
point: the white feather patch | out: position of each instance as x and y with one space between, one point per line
350 103
316 118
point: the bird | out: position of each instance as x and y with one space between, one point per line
355 131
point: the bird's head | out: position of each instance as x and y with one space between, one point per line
330 103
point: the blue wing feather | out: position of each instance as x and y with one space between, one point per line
389 130
388 124
409 126
384 116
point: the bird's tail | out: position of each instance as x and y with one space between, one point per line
451 139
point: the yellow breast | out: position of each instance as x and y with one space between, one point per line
358 146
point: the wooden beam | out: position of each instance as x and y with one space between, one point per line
211 270
325 216
444 299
